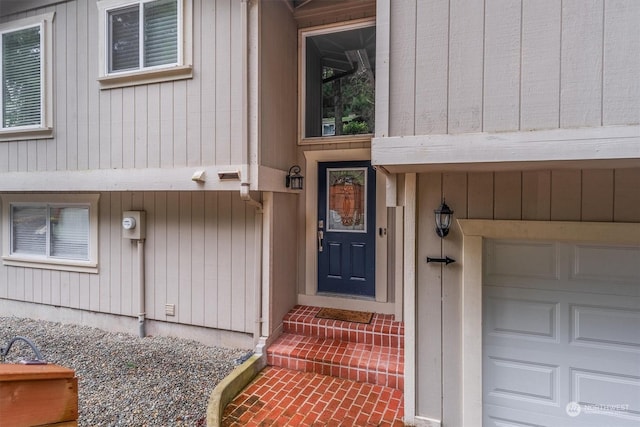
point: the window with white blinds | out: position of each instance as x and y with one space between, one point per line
22 77
26 78
50 231
143 35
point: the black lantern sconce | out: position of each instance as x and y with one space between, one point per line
294 179
443 219
443 222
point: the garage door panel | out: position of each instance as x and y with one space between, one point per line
606 327
550 342
616 393
520 380
517 418
606 263
502 422
502 260
522 318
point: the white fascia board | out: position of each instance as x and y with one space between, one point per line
503 150
150 179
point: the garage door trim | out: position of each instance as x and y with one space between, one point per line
473 233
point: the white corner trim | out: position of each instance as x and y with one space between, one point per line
597 143
473 232
410 288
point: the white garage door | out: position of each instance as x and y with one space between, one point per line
561 335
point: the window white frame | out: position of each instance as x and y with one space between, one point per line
45 128
44 262
183 69
303 33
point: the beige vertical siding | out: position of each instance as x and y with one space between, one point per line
184 123
278 85
200 256
502 65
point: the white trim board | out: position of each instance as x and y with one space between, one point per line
502 150
473 232
148 179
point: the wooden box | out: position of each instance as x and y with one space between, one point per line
37 395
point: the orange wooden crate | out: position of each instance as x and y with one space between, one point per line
37 395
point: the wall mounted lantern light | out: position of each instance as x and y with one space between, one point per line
443 222
443 219
294 179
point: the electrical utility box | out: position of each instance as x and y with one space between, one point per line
133 225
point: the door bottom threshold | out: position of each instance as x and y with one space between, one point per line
347 296
346 302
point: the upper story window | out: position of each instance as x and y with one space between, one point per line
25 73
50 231
338 75
144 41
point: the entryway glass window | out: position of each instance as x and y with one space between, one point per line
339 80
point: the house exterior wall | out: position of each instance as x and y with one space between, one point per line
138 147
199 255
184 123
459 67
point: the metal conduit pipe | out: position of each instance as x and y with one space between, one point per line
141 289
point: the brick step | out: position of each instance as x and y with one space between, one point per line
382 331
372 353
374 364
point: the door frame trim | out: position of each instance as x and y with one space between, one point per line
473 232
310 293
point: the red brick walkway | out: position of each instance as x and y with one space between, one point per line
282 397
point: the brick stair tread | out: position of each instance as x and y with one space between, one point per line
339 353
382 330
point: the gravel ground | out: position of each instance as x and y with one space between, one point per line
124 380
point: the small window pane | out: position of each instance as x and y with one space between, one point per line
21 78
160 33
70 232
124 39
340 82
29 230
346 207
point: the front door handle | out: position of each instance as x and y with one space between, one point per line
320 240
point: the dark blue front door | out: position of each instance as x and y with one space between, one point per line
346 228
